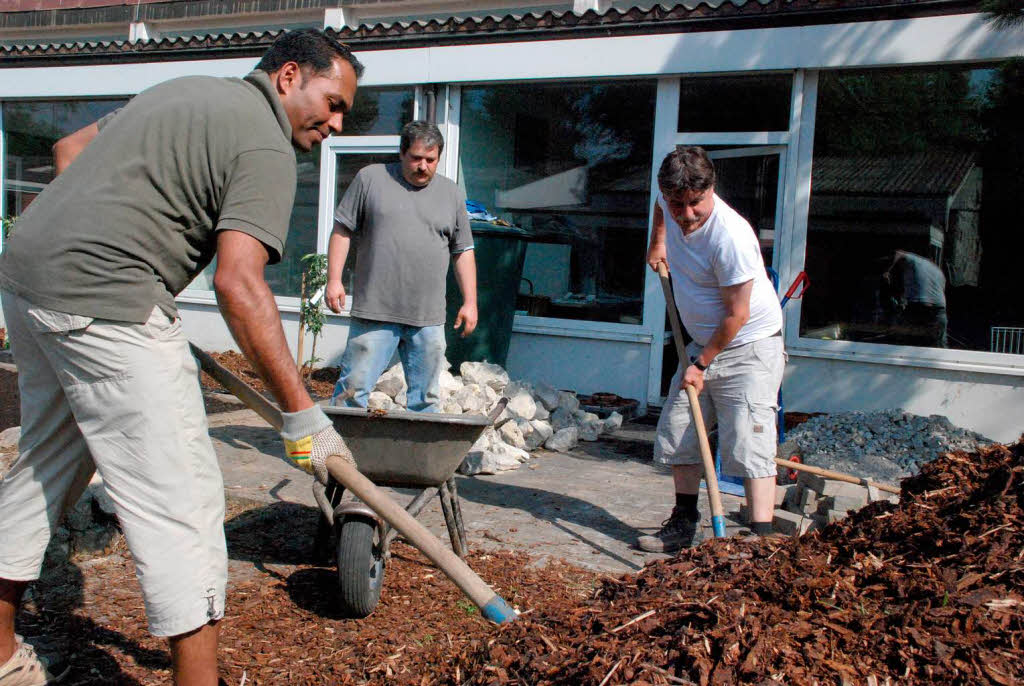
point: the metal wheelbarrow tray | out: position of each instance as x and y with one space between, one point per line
399 449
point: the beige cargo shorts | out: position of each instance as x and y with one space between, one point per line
740 396
122 399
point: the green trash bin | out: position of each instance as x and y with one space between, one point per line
500 253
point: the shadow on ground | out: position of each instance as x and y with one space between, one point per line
557 509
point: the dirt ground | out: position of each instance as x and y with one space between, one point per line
929 590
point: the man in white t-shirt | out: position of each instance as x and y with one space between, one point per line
728 305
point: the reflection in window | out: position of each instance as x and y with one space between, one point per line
571 164
735 103
379 112
30 130
914 232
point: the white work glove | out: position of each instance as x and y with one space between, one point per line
309 439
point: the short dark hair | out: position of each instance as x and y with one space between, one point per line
686 169
422 131
310 48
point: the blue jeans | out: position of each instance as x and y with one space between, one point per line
372 344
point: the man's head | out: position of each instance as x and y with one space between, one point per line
315 77
419 151
687 182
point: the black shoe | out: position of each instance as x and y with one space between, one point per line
676 532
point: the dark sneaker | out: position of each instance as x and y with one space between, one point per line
25 668
676 532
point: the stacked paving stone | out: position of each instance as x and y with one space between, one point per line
536 416
885 445
814 501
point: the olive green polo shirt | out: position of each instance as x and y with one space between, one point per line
134 218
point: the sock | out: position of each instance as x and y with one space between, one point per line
686 503
762 528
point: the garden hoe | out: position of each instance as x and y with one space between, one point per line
491 605
710 478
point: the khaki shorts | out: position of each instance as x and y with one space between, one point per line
123 399
741 390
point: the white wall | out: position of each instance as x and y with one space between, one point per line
990 404
583 365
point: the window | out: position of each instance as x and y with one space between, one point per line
914 228
30 130
379 112
735 103
570 164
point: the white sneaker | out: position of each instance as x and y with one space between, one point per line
25 668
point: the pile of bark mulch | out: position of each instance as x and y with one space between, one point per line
930 590
319 382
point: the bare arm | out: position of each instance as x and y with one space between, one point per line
248 307
737 312
464 264
656 250
68 148
337 253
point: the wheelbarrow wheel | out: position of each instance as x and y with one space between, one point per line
360 566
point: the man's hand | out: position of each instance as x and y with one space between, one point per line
309 439
656 254
693 377
466 318
334 296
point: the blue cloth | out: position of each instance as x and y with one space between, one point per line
372 344
477 210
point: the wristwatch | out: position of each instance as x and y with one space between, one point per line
696 363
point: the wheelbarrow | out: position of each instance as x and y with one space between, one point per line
398 449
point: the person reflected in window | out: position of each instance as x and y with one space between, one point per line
917 289
409 223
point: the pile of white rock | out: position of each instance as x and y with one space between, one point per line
536 416
885 444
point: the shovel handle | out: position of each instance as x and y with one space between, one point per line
710 478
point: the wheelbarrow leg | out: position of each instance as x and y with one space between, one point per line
323 542
449 518
413 508
457 507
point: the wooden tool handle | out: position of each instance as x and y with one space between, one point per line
710 477
836 476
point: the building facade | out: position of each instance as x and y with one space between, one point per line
847 133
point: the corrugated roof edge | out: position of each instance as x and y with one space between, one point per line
660 18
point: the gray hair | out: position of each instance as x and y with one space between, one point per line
421 131
686 169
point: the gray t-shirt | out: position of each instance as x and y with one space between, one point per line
405 238
134 218
923 281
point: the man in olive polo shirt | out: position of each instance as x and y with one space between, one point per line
188 169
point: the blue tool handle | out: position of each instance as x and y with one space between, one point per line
718 526
498 611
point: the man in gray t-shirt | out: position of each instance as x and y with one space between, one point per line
188 169
408 223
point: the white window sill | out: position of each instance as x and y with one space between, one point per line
908 356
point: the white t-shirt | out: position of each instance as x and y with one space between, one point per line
722 252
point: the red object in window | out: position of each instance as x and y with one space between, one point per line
793 473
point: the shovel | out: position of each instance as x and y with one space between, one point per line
492 606
710 478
